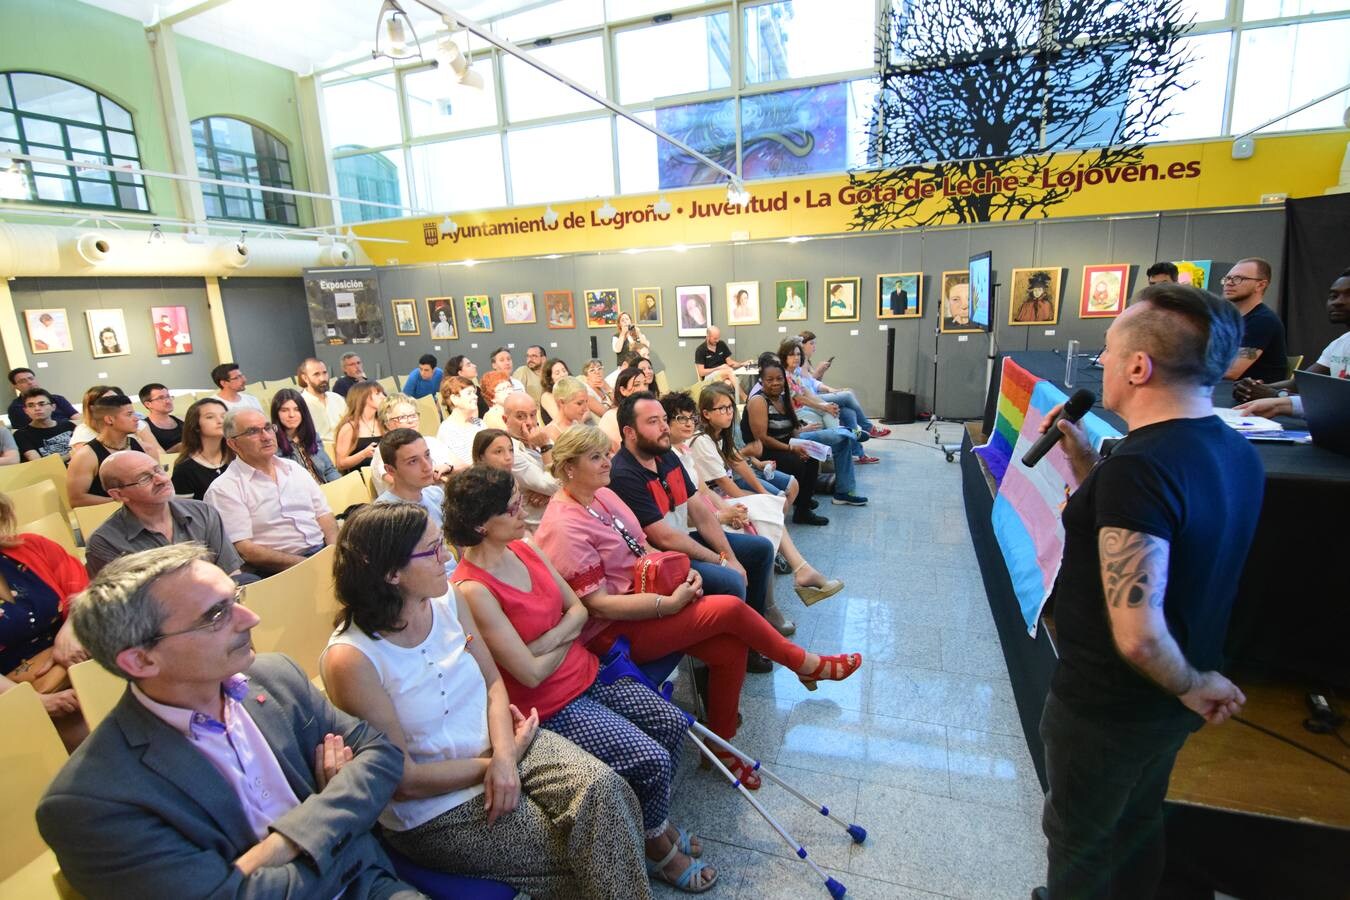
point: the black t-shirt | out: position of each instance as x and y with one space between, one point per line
711 359
46 441
650 495
191 477
1194 482
167 437
1263 330
345 384
18 418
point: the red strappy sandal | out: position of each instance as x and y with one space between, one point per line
832 668
743 771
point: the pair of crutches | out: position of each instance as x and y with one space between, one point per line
617 664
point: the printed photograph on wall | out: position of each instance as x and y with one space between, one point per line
602 307
172 335
1194 272
405 318
478 313
1034 298
345 307
841 299
441 316
518 308
647 306
899 295
558 306
1104 290
107 332
742 302
693 309
48 330
789 299
954 305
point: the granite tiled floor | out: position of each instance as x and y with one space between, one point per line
922 746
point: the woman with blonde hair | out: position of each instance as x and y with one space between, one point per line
572 405
357 435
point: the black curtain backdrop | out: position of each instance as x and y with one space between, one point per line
1316 250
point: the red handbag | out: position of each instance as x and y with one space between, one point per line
660 573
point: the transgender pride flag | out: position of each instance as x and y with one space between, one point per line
1026 515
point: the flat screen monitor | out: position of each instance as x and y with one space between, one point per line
982 290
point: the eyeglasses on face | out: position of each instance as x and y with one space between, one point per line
725 407
1238 279
212 620
144 478
405 417
38 404
439 551
257 431
685 418
160 398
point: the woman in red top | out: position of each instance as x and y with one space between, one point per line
531 620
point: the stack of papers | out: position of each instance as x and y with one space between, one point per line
1257 428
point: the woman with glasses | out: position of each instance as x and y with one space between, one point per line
531 619
358 432
601 397
460 398
400 411
483 791
205 454
496 387
296 438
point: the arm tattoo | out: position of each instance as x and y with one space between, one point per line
1249 352
1134 567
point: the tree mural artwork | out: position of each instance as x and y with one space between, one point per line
994 110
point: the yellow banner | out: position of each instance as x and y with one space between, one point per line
1170 177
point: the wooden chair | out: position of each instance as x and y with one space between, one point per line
56 527
98 689
348 490
391 384
430 414
88 518
662 382
31 753
35 501
296 609
1294 363
48 468
181 402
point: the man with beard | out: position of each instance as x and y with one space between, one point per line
530 374
325 407
1262 355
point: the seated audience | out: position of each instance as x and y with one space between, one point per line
423 380
9 450
530 375
630 381
531 456
358 432
503 363
460 398
163 424
601 397
85 431
627 360
325 407
400 411
571 406
353 372
531 619
44 435
495 449
117 423
594 540
1161 272
297 438
219 772
496 387
38 579
409 473
231 383
483 792
22 380
829 418
554 371
850 412
1262 354
273 511
465 368
713 356
151 516
205 454
744 470
1334 361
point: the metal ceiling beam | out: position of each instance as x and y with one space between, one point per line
188 12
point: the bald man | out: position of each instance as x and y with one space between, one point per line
533 455
713 356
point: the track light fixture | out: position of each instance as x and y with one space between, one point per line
662 206
607 212
449 225
394 26
156 235
13 181
449 58
550 216
737 195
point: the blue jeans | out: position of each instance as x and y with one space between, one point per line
776 484
849 409
755 554
842 445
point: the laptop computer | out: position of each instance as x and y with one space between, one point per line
1326 406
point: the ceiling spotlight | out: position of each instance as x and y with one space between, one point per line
737 195
662 206
13 181
394 26
449 58
449 225
156 235
550 216
351 234
607 212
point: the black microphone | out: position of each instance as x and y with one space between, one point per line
1074 410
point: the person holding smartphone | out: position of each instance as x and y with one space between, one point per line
811 376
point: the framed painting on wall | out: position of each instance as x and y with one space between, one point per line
900 295
558 306
518 308
1104 289
478 313
48 330
107 332
1034 298
954 304
172 334
647 306
742 302
841 299
602 307
441 316
405 318
789 299
1194 272
693 309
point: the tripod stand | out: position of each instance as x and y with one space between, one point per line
948 450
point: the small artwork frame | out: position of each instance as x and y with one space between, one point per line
478 313
742 303
107 333
602 307
1194 272
518 308
48 330
693 309
900 295
954 304
1034 296
647 307
173 335
560 309
843 295
1105 288
405 318
789 299
441 318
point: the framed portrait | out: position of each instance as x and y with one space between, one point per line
742 302
900 295
789 299
441 318
107 332
1034 298
559 309
954 304
172 334
518 308
693 309
478 313
405 318
602 307
48 330
1104 290
841 299
1194 272
647 306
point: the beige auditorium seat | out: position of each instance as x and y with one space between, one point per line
98 689
90 517
430 415
34 501
31 753
348 490
56 527
48 468
296 609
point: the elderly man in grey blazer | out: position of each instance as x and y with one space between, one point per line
220 773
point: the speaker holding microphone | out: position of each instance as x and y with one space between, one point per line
1075 409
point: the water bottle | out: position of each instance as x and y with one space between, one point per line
1070 358
769 468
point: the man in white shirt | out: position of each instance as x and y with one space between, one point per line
325 407
533 456
502 362
231 382
272 508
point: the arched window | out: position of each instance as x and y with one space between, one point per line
41 115
233 150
